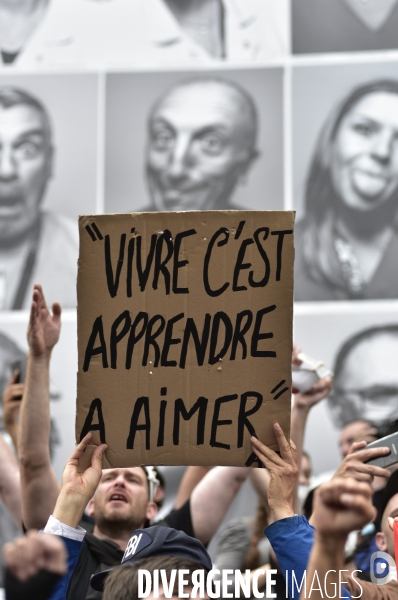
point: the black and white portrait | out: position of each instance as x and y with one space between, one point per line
49 33
344 25
360 344
47 176
182 142
176 31
97 33
346 236
366 381
13 349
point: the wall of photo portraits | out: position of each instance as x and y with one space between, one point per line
141 105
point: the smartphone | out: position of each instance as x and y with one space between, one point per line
385 461
19 365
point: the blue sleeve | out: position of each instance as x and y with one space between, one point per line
291 540
73 548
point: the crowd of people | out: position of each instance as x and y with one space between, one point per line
189 103
91 536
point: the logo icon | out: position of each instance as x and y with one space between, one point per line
132 546
137 543
380 563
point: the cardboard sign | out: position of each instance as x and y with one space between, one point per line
184 334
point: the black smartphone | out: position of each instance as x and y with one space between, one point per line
385 461
19 365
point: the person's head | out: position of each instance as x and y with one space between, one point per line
152 548
355 162
25 162
122 501
122 583
389 508
366 378
355 431
201 144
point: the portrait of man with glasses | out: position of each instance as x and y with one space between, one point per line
366 377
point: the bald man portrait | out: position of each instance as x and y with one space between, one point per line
202 142
194 141
37 33
365 383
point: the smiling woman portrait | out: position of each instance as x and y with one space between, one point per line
347 244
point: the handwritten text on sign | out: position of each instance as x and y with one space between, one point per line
184 324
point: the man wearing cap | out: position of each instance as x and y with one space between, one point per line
124 499
77 489
174 549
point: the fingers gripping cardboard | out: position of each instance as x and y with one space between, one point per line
184 334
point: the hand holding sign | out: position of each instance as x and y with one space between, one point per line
78 488
185 334
284 472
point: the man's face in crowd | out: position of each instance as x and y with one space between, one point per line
122 497
368 383
25 167
385 539
354 432
199 147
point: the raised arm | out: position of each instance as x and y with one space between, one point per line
78 488
302 405
283 470
10 487
39 485
341 506
290 535
212 497
192 476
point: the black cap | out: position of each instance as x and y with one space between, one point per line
158 541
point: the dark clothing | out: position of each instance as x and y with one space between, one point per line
97 555
45 585
38 587
8 57
331 26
